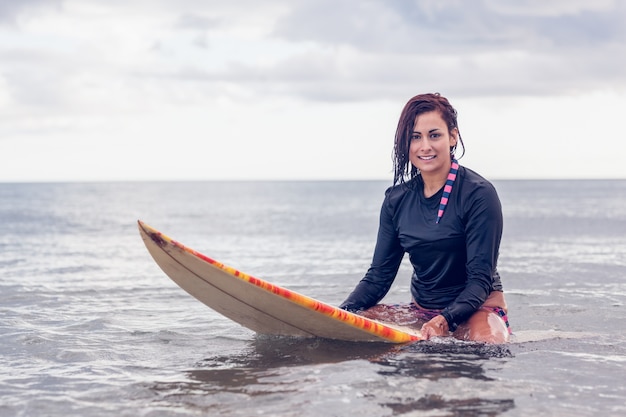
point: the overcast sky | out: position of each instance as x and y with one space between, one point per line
305 89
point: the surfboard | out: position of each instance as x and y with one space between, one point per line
259 305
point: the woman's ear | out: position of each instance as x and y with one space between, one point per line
454 137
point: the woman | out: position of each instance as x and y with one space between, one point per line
449 220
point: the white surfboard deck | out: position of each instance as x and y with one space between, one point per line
259 305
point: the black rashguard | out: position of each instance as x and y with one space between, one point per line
454 261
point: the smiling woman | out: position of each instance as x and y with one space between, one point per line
449 220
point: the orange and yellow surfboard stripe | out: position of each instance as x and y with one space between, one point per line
374 327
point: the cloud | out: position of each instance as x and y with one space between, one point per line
472 48
212 88
93 60
10 10
352 51
449 27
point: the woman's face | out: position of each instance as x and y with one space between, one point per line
430 144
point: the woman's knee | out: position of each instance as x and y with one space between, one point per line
483 326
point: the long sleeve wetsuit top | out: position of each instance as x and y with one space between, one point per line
454 261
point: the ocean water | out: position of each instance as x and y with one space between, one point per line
90 326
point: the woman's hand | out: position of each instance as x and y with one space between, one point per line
437 326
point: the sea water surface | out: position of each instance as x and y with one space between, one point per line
90 326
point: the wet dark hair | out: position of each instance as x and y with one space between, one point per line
419 104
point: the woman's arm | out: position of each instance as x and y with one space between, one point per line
483 230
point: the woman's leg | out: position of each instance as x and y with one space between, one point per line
486 325
483 326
